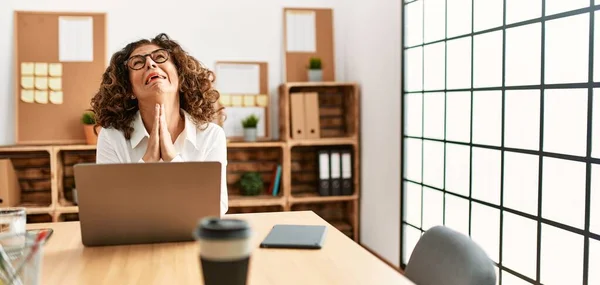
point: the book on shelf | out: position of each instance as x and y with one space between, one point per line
273 176
275 181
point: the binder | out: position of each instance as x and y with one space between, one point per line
324 173
336 173
347 173
311 112
297 115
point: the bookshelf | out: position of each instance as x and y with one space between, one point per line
45 172
339 123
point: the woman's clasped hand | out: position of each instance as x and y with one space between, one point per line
160 144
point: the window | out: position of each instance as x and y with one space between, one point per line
501 136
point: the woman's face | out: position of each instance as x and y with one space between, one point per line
150 75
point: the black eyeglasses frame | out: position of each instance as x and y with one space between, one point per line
126 63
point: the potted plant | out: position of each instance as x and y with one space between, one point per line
251 184
250 130
89 127
315 73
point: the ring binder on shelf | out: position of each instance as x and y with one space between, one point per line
347 173
336 173
324 182
297 115
312 123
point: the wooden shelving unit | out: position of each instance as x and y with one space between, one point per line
33 168
339 117
46 172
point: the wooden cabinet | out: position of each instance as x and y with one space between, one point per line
45 173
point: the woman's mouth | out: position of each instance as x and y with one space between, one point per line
153 77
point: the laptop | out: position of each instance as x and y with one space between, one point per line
139 203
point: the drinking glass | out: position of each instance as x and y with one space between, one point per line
12 220
21 263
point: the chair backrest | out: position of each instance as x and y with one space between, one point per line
445 256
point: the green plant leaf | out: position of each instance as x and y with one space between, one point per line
88 118
314 63
251 184
250 121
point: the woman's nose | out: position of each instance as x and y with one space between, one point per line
150 63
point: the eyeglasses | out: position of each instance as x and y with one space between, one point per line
137 62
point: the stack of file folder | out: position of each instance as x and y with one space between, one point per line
335 172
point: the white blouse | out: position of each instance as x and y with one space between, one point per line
193 144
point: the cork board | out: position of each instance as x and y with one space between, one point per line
234 101
296 62
51 94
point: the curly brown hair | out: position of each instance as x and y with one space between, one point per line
113 104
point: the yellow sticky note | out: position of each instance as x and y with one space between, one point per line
262 100
249 100
56 97
55 69
26 68
41 96
27 96
236 100
27 82
41 69
55 83
225 100
41 83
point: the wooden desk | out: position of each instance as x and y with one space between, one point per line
340 261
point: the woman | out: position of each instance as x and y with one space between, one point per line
156 103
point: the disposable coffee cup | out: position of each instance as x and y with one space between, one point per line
225 250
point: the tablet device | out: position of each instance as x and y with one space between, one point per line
295 236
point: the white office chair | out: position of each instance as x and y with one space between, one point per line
445 256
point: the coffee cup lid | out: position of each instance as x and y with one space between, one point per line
217 228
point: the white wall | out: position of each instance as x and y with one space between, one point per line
367 48
209 30
373 60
